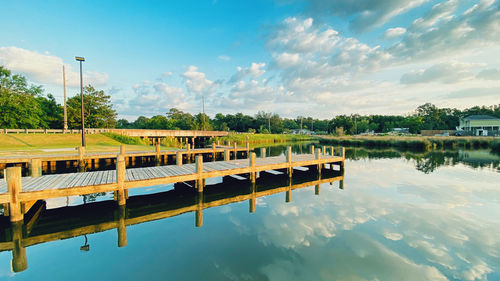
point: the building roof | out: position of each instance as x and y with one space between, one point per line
480 117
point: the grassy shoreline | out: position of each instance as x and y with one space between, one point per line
45 144
263 138
416 143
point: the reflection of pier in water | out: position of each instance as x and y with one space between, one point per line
43 226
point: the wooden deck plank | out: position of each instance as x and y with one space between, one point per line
98 181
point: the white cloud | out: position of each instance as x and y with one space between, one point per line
449 72
439 12
155 98
197 81
224 58
363 15
392 33
489 74
253 71
46 68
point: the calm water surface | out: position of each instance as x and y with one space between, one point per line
400 216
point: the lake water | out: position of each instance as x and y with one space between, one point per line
399 216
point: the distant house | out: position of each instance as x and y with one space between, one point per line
301 132
480 125
400 130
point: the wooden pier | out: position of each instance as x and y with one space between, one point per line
44 226
82 160
18 194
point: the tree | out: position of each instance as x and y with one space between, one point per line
18 105
52 113
98 110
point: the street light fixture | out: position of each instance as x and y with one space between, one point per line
82 59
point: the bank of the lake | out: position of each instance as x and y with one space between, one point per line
42 144
414 142
242 138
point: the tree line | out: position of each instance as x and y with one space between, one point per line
24 106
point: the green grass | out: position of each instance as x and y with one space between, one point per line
414 142
29 144
126 139
263 138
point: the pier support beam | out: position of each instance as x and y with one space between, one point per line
178 158
35 168
13 177
318 157
252 202
289 161
199 170
235 147
252 167
288 196
122 228
199 211
19 259
120 179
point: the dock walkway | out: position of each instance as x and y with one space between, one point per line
107 155
19 193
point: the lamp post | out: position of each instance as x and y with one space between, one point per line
82 59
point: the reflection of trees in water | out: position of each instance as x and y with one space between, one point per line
428 162
87 198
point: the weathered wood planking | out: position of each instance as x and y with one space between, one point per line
108 155
49 186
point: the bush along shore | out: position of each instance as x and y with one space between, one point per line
415 143
263 138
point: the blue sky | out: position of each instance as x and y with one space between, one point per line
310 57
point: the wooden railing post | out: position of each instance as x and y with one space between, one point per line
199 171
13 177
120 179
312 149
226 155
318 157
262 152
323 150
252 166
81 159
214 155
122 150
332 150
235 147
35 168
248 148
178 158
157 154
343 152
